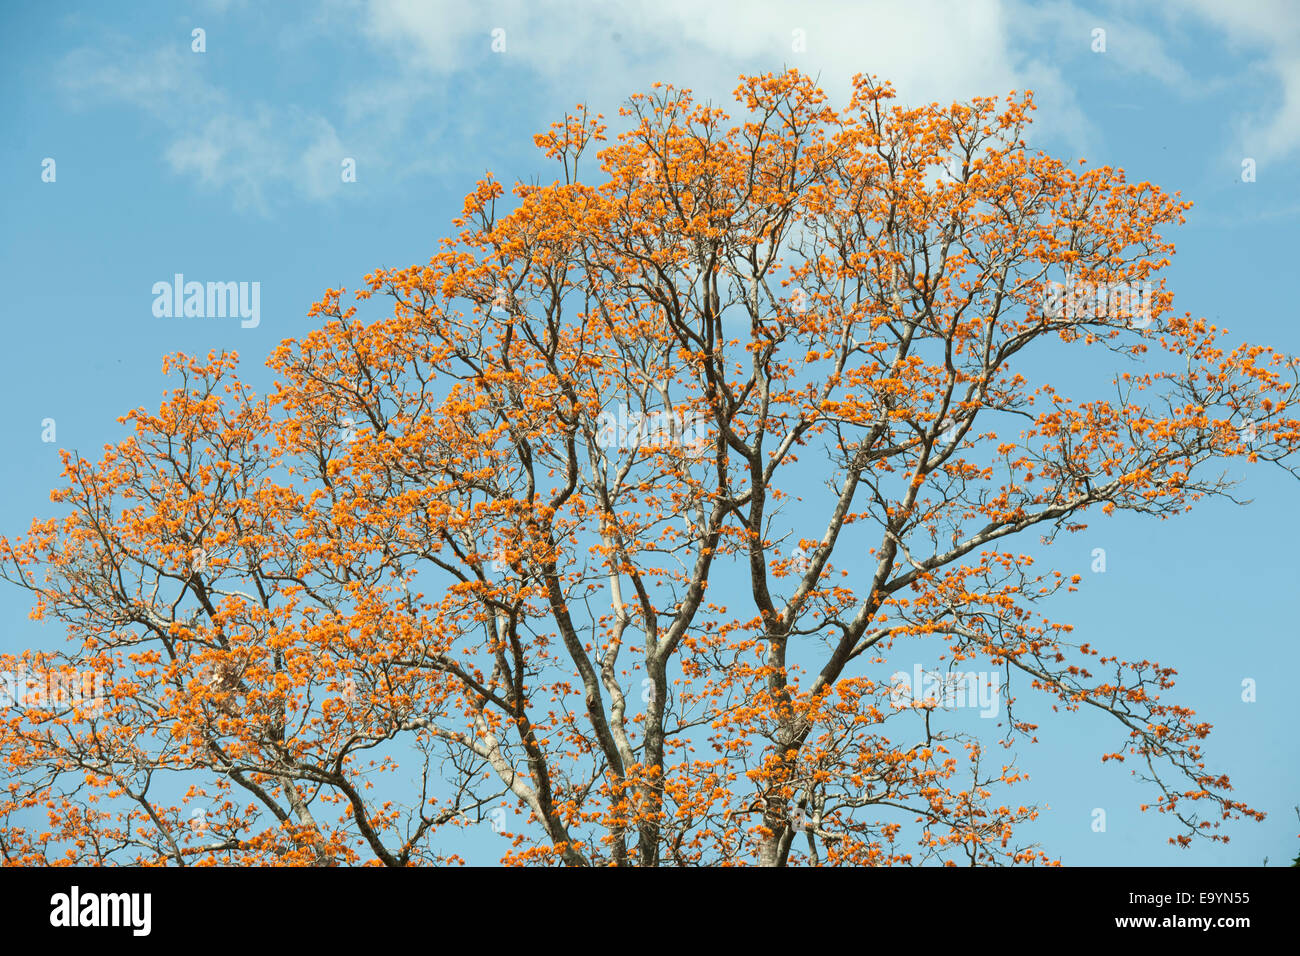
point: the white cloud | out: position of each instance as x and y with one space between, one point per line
1270 28
431 77
253 155
1069 32
257 152
156 81
320 164
929 50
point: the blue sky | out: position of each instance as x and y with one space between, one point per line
225 165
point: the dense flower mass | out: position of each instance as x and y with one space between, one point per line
611 528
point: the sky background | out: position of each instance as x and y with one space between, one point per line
225 166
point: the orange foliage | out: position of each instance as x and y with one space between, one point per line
618 517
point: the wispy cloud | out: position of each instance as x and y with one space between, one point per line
929 50
257 151
431 78
1268 30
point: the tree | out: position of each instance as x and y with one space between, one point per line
1296 861
609 530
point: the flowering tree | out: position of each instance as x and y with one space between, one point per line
609 531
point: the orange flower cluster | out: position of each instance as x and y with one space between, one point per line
413 590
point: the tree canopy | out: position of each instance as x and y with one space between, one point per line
610 528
